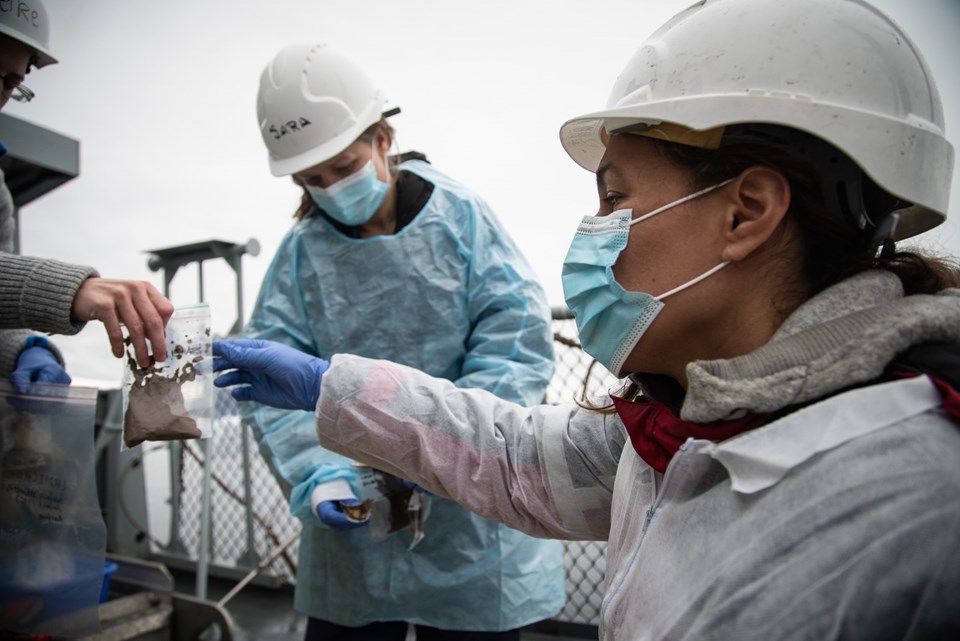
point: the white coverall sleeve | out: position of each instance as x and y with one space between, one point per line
546 470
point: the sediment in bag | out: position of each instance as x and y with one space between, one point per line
155 408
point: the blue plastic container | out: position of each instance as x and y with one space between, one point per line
108 569
27 605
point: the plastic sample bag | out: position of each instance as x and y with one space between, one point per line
174 399
389 505
52 535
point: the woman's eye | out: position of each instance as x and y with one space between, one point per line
612 198
346 169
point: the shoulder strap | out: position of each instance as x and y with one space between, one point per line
938 360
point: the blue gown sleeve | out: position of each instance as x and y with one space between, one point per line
288 438
509 351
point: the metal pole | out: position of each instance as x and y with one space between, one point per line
174 543
249 557
235 262
239 271
200 275
168 274
203 554
257 570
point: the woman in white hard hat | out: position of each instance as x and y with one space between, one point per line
48 295
391 258
783 461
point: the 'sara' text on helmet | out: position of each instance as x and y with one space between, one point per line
22 9
288 127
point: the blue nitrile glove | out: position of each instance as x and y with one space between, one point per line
333 517
38 364
269 372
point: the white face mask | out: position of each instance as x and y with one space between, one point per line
611 320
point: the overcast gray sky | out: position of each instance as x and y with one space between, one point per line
161 96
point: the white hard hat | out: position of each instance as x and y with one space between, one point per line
313 103
837 69
27 21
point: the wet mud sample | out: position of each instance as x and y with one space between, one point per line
155 406
357 513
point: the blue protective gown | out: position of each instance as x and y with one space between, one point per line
449 294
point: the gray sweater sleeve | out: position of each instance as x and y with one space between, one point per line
38 293
35 293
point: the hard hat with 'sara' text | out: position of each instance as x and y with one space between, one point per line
312 104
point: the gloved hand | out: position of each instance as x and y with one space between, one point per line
270 373
332 515
410 485
38 365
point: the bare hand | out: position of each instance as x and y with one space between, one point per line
137 304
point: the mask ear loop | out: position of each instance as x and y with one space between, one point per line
688 198
707 274
696 194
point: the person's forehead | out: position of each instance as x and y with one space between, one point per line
624 154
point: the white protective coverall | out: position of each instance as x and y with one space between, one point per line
838 521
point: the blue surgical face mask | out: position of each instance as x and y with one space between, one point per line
610 319
352 200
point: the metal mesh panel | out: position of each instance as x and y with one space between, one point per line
577 375
585 564
233 536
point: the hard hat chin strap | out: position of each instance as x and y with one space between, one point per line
882 244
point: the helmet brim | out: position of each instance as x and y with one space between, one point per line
583 140
42 55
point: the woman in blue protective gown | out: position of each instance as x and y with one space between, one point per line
392 259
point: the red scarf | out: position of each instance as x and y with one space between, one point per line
657 433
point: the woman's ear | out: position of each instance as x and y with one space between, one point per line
759 200
382 142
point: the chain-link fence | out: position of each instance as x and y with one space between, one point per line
250 517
